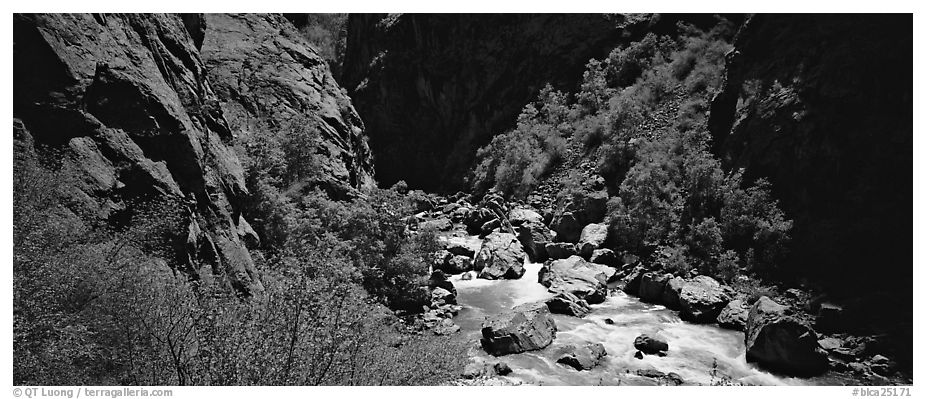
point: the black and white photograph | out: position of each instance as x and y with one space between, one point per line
456 199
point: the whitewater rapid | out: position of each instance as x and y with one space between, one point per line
700 354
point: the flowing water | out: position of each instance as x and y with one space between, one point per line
700 354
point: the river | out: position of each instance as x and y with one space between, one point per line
700 354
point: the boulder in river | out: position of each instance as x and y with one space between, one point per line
525 328
560 250
782 343
632 280
534 236
585 357
461 246
670 295
568 304
502 368
577 276
501 256
592 237
734 315
702 298
651 344
652 285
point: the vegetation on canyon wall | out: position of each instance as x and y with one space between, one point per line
672 200
97 304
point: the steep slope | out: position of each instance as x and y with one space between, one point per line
127 97
130 102
822 106
434 88
270 81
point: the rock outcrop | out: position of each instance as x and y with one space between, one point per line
592 237
781 342
577 276
652 286
585 357
822 105
701 299
127 96
525 328
734 315
501 256
568 304
651 344
271 82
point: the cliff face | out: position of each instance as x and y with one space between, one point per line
822 106
270 81
434 88
128 100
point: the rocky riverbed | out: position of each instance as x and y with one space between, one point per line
545 311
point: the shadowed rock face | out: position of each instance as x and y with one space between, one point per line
270 81
781 342
434 88
127 97
822 106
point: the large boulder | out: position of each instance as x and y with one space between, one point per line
632 280
451 264
476 218
585 357
652 285
701 299
781 342
592 237
560 250
567 226
501 256
651 344
577 276
461 246
525 328
534 236
734 315
568 304
580 210
671 293
519 216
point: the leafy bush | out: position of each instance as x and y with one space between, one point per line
98 304
677 194
328 34
673 259
514 162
